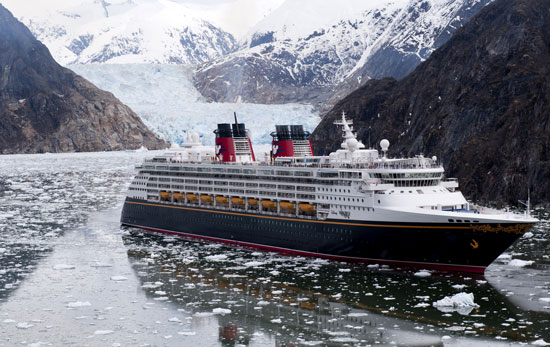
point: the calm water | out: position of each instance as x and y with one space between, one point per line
70 275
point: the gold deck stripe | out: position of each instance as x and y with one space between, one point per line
296 219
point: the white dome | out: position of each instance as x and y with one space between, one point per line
384 144
352 144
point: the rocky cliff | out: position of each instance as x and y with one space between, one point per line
481 103
47 108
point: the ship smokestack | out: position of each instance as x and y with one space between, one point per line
233 142
290 141
225 145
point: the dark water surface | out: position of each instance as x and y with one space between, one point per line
70 275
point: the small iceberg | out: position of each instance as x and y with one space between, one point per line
463 303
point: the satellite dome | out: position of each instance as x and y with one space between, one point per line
384 144
353 144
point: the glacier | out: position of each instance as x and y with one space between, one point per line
165 98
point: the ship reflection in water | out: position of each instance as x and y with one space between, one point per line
296 301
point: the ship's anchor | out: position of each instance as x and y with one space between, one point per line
474 244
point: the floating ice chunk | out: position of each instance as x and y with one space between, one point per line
422 273
217 257
221 311
540 342
357 314
118 278
7 321
459 286
254 263
520 263
276 321
63 267
463 303
421 304
373 266
174 319
99 264
544 299
187 333
263 303
274 273
78 304
103 332
344 270
203 314
24 325
528 235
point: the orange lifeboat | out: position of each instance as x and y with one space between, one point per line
165 195
289 206
268 204
237 201
207 198
192 197
253 202
221 199
306 207
179 196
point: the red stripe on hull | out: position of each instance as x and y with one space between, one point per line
393 263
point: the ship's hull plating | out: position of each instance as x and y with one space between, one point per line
454 247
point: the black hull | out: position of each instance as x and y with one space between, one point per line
453 247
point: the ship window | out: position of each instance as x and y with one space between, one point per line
466 221
451 220
378 201
459 220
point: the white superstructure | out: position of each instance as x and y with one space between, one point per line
353 183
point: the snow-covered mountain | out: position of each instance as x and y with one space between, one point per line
123 31
168 103
305 49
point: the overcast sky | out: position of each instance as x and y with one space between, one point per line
234 16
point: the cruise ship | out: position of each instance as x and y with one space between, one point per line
356 204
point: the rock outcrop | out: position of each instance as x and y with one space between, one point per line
481 103
47 108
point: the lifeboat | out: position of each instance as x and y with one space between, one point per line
253 202
165 195
268 204
179 196
192 197
285 205
306 207
221 199
207 198
237 201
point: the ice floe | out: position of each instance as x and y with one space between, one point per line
520 263
463 303
75 304
221 311
118 278
422 273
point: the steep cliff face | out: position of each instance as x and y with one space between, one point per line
47 108
481 103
